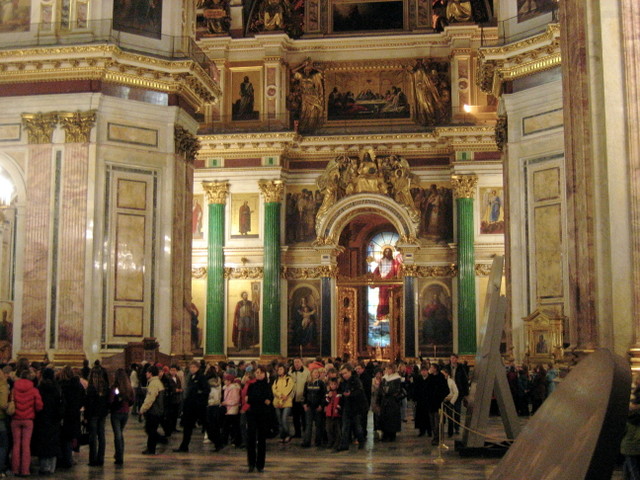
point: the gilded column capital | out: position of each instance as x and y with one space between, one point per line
40 126
464 186
410 270
186 143
272 190
216 191
77 125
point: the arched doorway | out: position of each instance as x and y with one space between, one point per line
369 289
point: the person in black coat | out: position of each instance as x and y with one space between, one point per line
366 378
437 391
73 395
47 423
461 377
259 398
420 396
195 404
390 395
354 405
96 409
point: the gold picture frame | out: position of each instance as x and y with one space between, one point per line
544 333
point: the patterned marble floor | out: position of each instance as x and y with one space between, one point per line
408 458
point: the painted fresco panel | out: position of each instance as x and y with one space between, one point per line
303 325
302 204
15 16
492 210
435 204
246 94
367 16
435 322
243 316
244 215
528 9
139 17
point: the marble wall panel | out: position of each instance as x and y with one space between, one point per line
132 194
546 184
130 257
36 248
132 135
542 122
10 132
128 321
71 249
548 250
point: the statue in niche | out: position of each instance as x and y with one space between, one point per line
431 94
308 87
216 16
445 12
273 15
458 11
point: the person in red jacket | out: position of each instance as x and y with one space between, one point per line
28 401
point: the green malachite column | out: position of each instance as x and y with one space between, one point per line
272 191
214 329
464 188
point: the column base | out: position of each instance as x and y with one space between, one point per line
214 358
73 359
35 355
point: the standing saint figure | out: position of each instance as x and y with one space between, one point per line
244 105
243 323
244 218
387 268
429 104
312 96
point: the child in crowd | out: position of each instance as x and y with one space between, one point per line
333 416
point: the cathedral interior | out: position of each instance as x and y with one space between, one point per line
264 178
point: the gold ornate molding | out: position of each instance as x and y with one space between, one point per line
186 143
243 273
502 132
199 272
464 186
40 126
483 269
272 190
410 270
305 273
77 125
430 271
216 191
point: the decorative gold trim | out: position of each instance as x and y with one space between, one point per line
306 273
502 132
483 269
410 270
216 191
199 272
40 126
464 186
77 125
430 271
244 273
272 190
186 143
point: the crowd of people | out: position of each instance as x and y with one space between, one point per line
325 403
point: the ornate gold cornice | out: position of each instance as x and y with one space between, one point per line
483 269
77 125
502 132
305 273
272 190
40 126
430 271
519 59
186 143
110 64
243 273
410 270
464 186
216 191
199 272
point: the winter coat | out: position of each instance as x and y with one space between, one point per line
232 398
420 395
314 393
453 391
283 392
215 394
154 388
332 401
390 395
257 393
630 444
197 392
243 398
46 432
27 398
73 395
96 405
353 399
301 377
437 391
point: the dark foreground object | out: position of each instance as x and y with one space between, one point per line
576 433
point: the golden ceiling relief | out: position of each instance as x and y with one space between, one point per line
243 273
199 272
305 273
186 143
464 186
408 239
216 191
77 125
483 269
40 126
272 190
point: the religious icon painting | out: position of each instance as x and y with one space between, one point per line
435 203
245 94
16 16
139 18
302 204
491 210
367 16
243 318
244 215
435 324
303 326
198 217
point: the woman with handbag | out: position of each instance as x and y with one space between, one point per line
27 402
96 409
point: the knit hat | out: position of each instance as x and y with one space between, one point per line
229 377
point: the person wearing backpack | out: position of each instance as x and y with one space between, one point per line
153 409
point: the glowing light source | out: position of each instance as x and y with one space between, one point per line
466 108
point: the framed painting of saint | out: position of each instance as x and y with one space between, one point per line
435 203
303 326
243 318
492 210
367 16
141 17
302 204
435 325
245 94
245 215
198 217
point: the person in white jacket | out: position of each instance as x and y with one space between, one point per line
450 399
